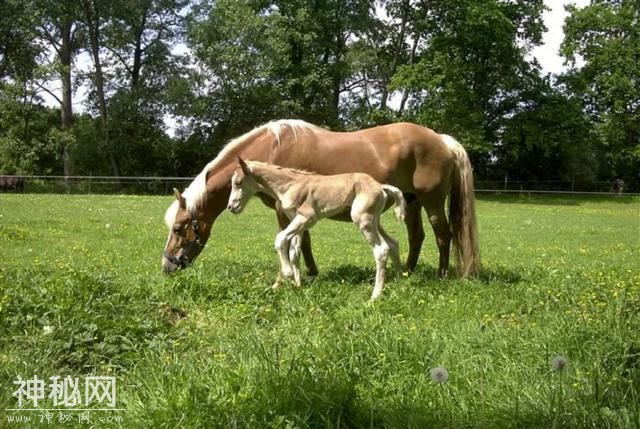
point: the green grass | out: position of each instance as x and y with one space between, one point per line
81 292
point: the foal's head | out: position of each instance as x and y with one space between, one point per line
243 187
187 235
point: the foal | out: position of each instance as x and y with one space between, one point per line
306 198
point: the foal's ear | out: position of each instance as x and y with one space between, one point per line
181 201
244 166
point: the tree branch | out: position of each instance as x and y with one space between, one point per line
42 87
120 59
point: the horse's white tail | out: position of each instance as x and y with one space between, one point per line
398 200
462 212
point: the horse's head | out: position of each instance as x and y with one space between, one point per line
188 232
243 187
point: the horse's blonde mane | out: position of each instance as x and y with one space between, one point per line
279 167
196 193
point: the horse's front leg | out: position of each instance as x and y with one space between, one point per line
307 254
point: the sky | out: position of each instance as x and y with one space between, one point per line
546 54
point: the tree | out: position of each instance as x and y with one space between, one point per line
138 38
18 48
472 69
269 59
94 13
547 138
58 28
602 42
30 140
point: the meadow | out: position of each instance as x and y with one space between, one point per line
548 336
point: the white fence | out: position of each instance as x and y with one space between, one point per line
164 185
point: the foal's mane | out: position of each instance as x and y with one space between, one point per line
196 193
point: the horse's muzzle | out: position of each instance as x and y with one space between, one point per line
172 263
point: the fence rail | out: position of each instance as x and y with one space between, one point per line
151 185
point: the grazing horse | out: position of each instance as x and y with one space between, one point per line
423 164
305 198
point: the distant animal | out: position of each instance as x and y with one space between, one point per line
305 198
14 183
426 166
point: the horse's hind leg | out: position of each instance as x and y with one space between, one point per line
415 230
368 225
440 225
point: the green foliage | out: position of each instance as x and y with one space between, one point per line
606 37
30 142
463 68
18 48
473 70
82 293
548 130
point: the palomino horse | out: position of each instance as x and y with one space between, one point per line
425 165
305 198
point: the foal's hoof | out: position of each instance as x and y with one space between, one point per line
276 285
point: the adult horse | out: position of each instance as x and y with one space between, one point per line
425 165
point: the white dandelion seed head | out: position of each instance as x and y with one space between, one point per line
439 374
559 363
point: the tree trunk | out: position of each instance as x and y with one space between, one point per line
93 24
66 107
137 54
396 54
412 59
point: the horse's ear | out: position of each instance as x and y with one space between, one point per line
244 166
181 201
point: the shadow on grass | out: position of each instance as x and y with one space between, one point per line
353 274
500 274
348 273
555 200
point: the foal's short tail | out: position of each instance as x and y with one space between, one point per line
462 212
398 200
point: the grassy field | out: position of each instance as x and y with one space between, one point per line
81 293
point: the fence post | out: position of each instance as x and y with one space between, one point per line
505 181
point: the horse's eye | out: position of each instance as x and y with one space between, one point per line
177 229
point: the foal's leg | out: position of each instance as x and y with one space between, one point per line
283 222
294 257
309 261
299 224
368 225
394 249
